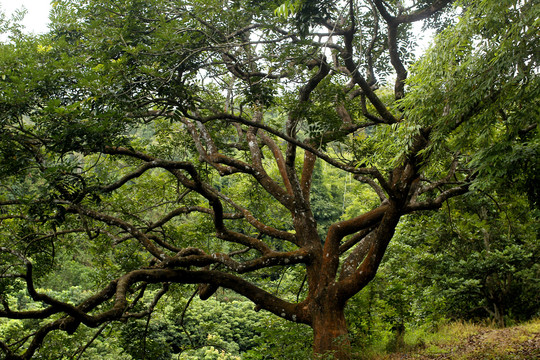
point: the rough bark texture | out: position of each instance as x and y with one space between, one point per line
330 334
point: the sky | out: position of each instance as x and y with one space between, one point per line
37 17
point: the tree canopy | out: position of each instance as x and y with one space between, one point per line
162 143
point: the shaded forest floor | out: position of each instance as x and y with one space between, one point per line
474 342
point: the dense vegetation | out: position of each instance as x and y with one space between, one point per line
224 179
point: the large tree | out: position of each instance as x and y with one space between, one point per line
176 142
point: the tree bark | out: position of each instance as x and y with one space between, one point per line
330 335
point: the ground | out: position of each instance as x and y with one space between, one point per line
474 342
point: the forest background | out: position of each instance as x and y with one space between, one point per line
205 157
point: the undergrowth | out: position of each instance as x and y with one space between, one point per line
464 341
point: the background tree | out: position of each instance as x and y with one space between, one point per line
177 142
480 260
472 261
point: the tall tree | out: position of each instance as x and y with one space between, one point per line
176 142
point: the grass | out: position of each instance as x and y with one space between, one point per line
468 341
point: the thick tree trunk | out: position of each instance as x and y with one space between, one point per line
330 332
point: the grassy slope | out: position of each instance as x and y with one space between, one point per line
475 342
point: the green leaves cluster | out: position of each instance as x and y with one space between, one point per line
477 87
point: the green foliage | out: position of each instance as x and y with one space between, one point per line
131 77
485 65
472 260
368 315
61 345
326 198
280 339
306 13
213 329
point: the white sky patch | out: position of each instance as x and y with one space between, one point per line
37 16
424 38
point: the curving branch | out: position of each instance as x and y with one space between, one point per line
111 220
436 203
320 154
393 23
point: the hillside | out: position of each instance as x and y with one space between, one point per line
473 342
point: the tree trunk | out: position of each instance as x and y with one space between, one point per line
498 315
330 335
